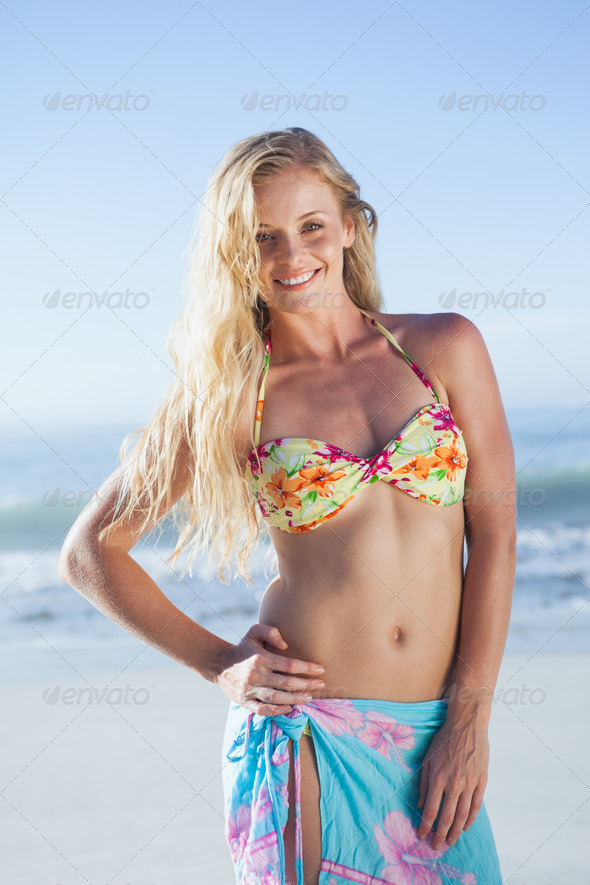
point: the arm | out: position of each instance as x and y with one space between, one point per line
457 760
115 583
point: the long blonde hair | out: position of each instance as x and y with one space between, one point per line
217 344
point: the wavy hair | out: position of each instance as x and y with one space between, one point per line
217 344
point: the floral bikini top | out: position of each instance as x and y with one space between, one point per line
300 483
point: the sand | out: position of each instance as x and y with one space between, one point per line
128 789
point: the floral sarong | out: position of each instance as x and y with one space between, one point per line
369 755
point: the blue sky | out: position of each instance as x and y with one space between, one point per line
469 199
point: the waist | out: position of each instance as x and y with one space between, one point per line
386 651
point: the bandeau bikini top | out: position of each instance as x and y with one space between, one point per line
300 483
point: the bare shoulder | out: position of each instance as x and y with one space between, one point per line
440 340
434 328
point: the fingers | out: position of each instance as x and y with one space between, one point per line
272 683
476 803
423 786
431 808
266 633
280 692
271 635
445 820
460 817
290 665
284 682
459 810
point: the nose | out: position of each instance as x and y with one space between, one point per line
290 252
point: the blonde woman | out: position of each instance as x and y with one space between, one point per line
371 448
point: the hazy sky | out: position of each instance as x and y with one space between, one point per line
469 199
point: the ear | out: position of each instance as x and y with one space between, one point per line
349 231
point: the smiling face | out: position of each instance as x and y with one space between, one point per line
301 238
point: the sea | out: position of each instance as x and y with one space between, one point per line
48 628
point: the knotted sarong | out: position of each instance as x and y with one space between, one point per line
369 754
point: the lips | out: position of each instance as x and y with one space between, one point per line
297 285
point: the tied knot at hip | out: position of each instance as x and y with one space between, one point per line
291 725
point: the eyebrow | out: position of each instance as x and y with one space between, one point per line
307 214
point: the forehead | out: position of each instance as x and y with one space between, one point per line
294 192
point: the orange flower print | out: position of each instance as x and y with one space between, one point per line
452 459
309 526
420 466
320 478
259 405
282 490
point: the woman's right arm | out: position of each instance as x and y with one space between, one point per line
105 574
112 580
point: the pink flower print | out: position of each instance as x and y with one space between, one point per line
443 418
237 831
336 716
381 464
283 791
409 859
263 805
263 509
387 736
257 858
277 740
336 454
268 877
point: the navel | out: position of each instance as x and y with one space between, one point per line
397 634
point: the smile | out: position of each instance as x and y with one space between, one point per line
299 281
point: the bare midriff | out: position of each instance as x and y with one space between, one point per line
374 595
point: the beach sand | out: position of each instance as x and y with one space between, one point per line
128 789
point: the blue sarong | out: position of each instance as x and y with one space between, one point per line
369 754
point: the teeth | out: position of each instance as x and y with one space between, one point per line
297 280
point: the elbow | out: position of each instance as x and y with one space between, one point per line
73 555
65 566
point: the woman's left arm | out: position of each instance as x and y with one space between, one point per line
454 769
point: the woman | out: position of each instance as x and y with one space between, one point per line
372 446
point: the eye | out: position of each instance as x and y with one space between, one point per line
312 224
